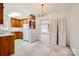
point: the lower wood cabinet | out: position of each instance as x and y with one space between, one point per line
18 35
6 45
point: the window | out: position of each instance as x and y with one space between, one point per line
44 26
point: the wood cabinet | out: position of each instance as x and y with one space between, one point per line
32 22
14 22
22 21
12 44
18 22
1 13
21 35
6 45
18 35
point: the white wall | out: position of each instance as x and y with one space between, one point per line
53 11
74 29
35 32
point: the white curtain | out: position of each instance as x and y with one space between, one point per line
54 31
62 32
58 31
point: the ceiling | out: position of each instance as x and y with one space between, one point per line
34 8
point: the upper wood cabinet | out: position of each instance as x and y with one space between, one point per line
32 22
1 13
14 22
21 22
18 22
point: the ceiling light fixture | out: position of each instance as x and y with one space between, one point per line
42 11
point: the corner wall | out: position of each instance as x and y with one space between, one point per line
74 29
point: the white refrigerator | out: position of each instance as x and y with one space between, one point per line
26 33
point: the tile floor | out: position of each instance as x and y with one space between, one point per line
23 48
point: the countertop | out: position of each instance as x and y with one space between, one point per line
1 35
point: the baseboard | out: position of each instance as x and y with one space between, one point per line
72 51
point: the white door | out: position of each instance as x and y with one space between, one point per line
45 31
62 32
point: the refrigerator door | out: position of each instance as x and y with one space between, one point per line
26 32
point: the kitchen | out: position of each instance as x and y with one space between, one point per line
17 31
26 29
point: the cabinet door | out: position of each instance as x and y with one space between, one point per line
1 47
4 46
14 22
21 35
21 23
1 13
16 34
11 44
17 23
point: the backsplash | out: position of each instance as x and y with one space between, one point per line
4 29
